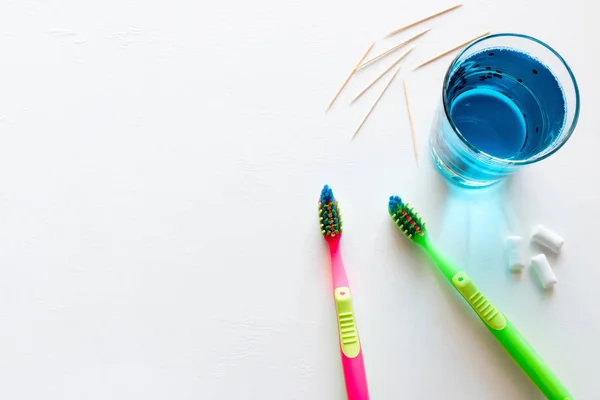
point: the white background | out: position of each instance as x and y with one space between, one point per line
161 163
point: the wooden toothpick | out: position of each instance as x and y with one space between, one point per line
450 51
396 47
376 101
382 74
424 19
350 76
412 125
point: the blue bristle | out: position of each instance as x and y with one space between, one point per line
395 203
327 195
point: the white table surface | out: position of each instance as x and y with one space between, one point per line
161 165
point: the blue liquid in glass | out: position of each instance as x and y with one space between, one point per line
506 103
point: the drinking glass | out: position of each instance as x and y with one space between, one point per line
508 100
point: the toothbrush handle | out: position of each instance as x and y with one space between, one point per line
513 342
355 377
352 357
530 362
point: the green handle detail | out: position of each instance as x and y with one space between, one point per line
510 338
346 325
489 314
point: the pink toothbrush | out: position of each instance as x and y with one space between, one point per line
352 357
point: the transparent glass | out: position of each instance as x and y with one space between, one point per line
508 100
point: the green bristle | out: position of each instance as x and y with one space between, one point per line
330 219
406 219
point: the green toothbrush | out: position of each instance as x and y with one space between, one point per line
507 335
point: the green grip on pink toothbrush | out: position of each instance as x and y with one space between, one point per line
349 342
352 358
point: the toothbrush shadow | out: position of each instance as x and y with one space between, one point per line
407 249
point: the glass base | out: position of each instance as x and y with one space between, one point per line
456 179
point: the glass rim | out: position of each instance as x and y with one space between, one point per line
476 150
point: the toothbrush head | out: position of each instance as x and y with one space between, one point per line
329 214
407 220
